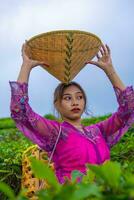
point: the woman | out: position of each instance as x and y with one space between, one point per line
69 144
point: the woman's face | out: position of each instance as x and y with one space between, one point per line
72 99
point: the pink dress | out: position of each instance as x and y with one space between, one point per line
72 148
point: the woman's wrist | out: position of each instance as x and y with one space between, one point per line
110 73
24 73
114 78
26 66
109 70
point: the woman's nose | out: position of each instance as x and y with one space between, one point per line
74 102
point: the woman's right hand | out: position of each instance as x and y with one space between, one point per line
27 65
27 62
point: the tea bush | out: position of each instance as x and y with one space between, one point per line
13 144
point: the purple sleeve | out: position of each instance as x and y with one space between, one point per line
119 122
39 130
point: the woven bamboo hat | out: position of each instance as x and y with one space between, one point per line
65 52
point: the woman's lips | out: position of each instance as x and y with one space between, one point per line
75 110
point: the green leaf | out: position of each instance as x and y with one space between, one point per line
110 172
7 191
66 192
89 177
44 194
87 190
43 171
22 194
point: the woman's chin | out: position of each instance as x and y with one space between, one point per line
75 116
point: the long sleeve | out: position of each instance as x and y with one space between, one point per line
39 130
119 122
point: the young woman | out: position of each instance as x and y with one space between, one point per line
69 144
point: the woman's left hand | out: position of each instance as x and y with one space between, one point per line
104 60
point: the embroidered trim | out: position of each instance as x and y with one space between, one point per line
125 99
92 134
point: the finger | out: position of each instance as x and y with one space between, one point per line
47 65
108 49
104 49
23 46
91 62
26 50
22 49
42 63
98 56
101 51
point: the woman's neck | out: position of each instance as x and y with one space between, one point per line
76 123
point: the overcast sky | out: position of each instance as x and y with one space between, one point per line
112 21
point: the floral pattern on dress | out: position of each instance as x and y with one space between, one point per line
125 99
29 122
114 127
92 134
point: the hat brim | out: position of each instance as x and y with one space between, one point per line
65 51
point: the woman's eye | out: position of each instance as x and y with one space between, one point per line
80 97
67 98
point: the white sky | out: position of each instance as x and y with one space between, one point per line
112 21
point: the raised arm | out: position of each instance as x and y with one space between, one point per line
38 129
27 66
116 125
104 62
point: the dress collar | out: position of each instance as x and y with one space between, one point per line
91 135
72 126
